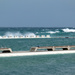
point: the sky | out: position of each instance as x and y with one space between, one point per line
37 13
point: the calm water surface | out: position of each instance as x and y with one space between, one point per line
38 65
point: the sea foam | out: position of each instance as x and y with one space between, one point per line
68 30
19 34
52 32
12 35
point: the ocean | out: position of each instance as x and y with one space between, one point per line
59 64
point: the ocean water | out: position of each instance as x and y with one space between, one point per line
60 64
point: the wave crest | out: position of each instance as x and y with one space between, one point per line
53 32
19 34
68 30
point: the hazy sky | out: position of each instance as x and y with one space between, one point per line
37 13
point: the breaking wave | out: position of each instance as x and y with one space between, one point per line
68 30
19 34
52 32
29 34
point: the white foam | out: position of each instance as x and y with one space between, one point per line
30 34
0 36
52 32
68 30
18 34
12 34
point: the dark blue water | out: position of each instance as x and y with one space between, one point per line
63 64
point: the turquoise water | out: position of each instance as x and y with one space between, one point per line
26 44
25 31
38 65
63 64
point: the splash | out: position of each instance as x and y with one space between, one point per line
19 34
29 34
13 34
68 30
